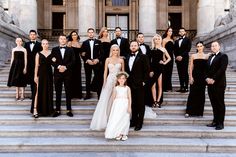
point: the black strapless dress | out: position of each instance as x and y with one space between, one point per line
196 98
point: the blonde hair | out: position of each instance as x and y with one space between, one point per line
103 29
155 37
114 46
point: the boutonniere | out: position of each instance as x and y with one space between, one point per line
97 44
54 59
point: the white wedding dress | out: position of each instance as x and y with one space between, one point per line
102 111
119 119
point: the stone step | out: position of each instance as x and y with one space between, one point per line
118 154
178 120
45 130
89 109
137 144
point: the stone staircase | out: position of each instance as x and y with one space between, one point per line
170 134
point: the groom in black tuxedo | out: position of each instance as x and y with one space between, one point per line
137 67
181 52
62 58
32 47
92 55
216 81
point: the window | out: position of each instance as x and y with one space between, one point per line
175 2
57 2
117 2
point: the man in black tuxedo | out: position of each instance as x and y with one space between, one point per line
216 81
63 58
181 52
92 56
137 67
122 42
32 47
144 48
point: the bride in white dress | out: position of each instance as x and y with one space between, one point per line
113 65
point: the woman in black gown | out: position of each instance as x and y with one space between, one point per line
76 83
18 69
106 43
42 103
168 43
197 73
157 55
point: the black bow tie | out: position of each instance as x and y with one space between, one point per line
181 38
141 44
32 42
91 39
62 47
213 54
118 38
132 55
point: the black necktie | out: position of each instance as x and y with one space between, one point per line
32 42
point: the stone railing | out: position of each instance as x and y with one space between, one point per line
52 34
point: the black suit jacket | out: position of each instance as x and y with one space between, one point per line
31 59
97 50
124 46
148 50
217 69
68 61
184 48
139 72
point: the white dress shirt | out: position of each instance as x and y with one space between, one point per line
62 52
91 43
131 61
214 57
181 40
118 41
143 49
32 46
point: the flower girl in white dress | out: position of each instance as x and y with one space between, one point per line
119 119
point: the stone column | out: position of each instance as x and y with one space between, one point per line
205 17
147 18
26 13
87 16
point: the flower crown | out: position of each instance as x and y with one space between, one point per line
122 73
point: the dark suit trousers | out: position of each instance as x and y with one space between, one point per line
182 68
58 87
138 106
216 96
97 83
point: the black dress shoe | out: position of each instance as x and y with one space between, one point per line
70 114
56 114
131 125
219 127
87 97
137 128
213 124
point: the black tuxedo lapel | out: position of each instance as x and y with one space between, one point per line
135 60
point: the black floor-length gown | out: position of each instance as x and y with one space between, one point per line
76 82
106 49
16 76
168 68
45 87
196 98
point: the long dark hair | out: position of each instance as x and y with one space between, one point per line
70 35
165 34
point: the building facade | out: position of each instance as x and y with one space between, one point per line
51 17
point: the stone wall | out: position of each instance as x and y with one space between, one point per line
8 34
226 35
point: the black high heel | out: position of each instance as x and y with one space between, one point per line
155 104
35 115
